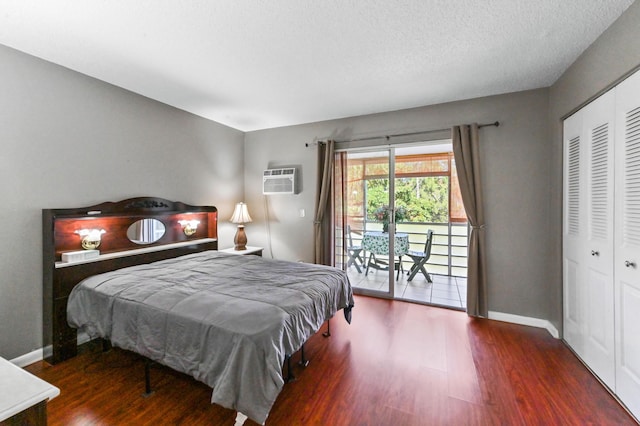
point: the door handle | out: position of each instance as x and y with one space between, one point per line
629 264
595 253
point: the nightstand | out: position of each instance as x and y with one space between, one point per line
23 396
256 251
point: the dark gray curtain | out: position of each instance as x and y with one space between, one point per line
322 218
467 155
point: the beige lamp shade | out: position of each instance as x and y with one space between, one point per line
240 216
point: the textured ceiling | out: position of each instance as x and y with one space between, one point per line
261 64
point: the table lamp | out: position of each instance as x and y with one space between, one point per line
240 216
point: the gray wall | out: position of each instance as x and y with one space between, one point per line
611 57
515 159
68 141
522 171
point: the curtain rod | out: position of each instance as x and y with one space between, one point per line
424 132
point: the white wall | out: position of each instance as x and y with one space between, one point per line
69 141
515 160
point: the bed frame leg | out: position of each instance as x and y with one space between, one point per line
303 362
328 332
106 345
147 379
290 376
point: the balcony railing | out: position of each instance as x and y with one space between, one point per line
448 250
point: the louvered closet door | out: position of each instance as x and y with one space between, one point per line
627 242
573 234
598 252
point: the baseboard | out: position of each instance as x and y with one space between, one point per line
518 319
30 358
38 355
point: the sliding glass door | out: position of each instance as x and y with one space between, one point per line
380 246
365 225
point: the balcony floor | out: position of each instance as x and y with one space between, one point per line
445 291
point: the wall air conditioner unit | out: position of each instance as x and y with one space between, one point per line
279 181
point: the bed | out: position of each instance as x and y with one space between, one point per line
229 321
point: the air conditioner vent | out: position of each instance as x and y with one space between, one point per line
279 181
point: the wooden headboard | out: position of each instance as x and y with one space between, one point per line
117 251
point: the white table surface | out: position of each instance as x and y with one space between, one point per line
249 250
20 389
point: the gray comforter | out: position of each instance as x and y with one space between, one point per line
227 320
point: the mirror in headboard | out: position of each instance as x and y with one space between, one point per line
145 231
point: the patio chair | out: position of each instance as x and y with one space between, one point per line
384 265
420 259
354 251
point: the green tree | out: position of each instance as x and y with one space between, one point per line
426 199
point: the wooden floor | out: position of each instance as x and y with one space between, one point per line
397 364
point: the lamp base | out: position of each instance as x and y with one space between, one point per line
240 240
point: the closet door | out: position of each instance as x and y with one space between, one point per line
598 252
573 233
627 242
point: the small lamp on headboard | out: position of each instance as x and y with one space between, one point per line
240 216
189 227
90 237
